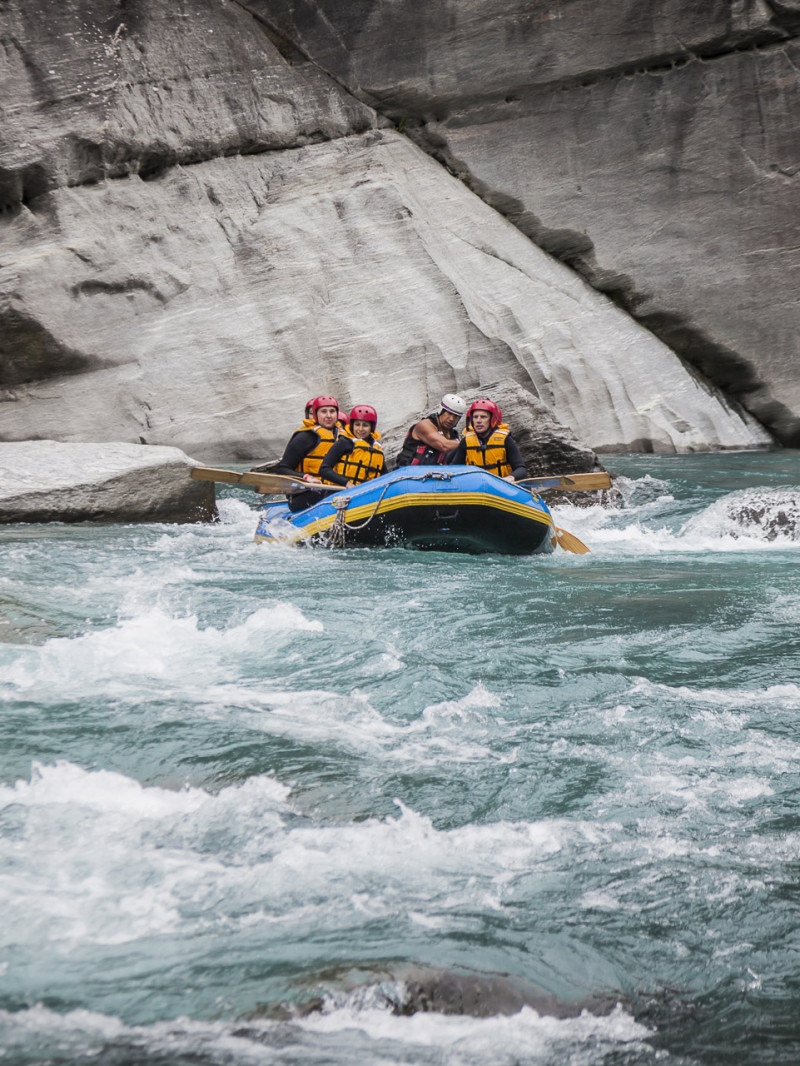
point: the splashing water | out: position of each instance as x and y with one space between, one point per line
233 776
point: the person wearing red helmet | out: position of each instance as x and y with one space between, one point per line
356 456
430 441
488 443
308 446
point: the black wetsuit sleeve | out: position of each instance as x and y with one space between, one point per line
514 457
326 472
296 450
459 455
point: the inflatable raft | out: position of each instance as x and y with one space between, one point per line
444 508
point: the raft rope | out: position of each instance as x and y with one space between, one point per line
337 534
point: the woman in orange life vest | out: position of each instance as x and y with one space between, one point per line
356 456
488 443
431 440
308 446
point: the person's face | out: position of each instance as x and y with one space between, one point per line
326 416
481 420
447 420
361 428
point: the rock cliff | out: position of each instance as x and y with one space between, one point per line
650 144
201 226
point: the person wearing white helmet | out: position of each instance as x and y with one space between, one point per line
429 441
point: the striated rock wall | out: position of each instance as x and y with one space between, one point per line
206 301
650 144
201 228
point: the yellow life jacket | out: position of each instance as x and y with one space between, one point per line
364 462
491 455
311 463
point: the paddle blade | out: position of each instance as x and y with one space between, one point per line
569 542
601 479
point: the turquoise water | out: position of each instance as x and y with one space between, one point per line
235 776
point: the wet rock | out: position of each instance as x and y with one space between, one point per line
486 995
763 514
49 481
407 990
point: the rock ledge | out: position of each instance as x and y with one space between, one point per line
50 481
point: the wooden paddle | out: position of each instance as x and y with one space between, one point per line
570 482
569 542
261 482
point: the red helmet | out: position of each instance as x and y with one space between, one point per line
365 413
496 415
322 401
308 407
343 417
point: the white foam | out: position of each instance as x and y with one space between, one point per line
152 644
363 1032
498 1039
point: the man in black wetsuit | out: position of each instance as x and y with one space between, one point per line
429 441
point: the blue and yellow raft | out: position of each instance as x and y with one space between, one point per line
443 508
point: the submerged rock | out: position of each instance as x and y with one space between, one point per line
763 514
406 990
48 481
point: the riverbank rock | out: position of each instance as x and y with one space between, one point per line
651 145
49 481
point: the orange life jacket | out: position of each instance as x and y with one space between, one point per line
311 463
490 454
364 462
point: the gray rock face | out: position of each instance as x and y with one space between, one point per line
651 145
196 308
104 89
48 481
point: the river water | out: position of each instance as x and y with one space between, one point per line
236 776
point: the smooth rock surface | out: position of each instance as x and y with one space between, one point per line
201 308
102 89
49 481
651 144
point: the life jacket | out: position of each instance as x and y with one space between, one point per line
364 462
417 453
311 463
491 454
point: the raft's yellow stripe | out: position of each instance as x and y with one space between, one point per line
423 499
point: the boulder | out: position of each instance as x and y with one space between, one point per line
547 446
650 144
200 309
413 989
49 481
761 514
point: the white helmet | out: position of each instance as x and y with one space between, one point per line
454 404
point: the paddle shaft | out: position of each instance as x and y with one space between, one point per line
261 482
